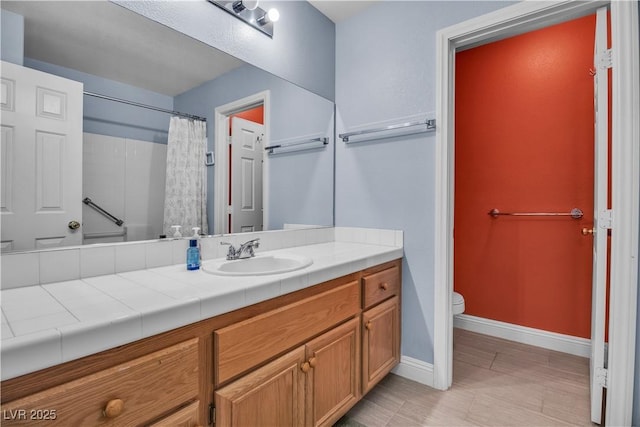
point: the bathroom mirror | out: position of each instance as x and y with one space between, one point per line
119 54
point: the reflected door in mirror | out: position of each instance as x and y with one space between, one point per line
41 160
246 175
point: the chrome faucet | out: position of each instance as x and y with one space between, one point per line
245 250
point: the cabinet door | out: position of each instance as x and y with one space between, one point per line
185 417
333 384
381 342
269 396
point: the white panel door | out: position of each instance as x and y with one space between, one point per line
599 232
246 175
41 159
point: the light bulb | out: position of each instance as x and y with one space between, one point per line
250 4
273 15
240 5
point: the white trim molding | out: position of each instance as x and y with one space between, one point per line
415 370
625 203
509 21
525 335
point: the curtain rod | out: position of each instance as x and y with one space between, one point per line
149 107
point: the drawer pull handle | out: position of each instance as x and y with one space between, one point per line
367 325
113 408
305 367
313 362
384 286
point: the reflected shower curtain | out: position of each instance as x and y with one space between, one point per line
185 200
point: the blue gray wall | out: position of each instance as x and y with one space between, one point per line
12 41
111 118
302 49
385 69
301 183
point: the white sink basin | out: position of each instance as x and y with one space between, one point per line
259 265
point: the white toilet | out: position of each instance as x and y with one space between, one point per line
458 303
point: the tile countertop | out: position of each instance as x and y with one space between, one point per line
53 323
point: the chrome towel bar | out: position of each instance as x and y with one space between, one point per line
429 123
270 148
575 213
87 201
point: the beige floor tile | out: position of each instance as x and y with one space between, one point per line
495 383
571 407
570 363
489 411
473 356
456 401
371 415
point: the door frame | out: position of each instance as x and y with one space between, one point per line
221 153
518 19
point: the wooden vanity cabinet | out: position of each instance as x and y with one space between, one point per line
131 393
314 384
333 376
380 343
380 325
303 358
272 395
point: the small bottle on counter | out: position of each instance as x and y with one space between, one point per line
193 255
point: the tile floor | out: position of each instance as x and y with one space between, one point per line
495 383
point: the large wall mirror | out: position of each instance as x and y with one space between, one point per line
268 148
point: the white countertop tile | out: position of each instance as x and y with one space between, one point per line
53 323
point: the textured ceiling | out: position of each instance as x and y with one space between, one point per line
107 40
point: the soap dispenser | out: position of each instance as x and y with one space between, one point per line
193 255
176 233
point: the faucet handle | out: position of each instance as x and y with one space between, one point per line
231 253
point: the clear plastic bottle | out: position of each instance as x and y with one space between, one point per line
193 255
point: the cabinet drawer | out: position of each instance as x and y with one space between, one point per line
246 344
127 394
380 286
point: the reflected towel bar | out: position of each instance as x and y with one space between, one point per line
430 123
104 235
575 213
284 146
87 201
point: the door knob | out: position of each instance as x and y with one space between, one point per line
73 225
587 231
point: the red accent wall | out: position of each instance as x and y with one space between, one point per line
524 143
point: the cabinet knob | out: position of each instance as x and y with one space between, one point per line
367 325
313 362
113 408
305 367
384 286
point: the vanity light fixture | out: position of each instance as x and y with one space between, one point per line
249 12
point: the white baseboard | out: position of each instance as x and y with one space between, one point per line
522 334
415 370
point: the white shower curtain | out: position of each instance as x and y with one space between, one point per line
185 200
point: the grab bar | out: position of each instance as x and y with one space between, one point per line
87 201
430 123
575 213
